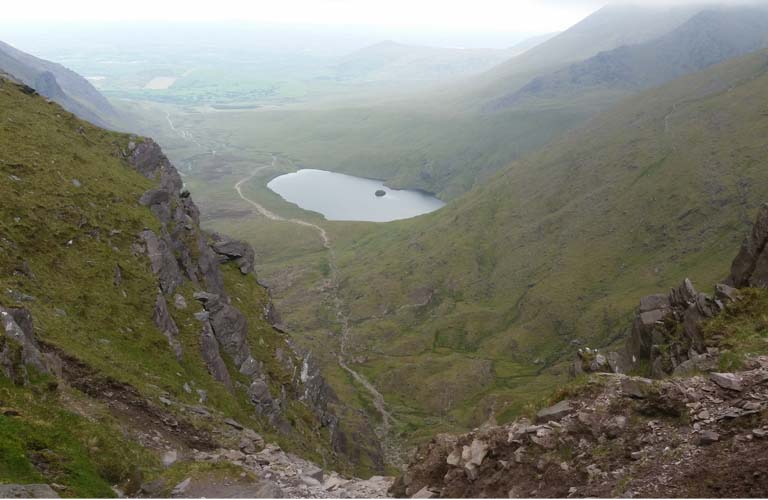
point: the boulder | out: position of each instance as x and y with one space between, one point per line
179 302
475 453
617 363
698 363
27 491
555 412
239 251
707 437
726 294
728 381
636 387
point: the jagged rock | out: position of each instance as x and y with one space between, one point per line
683 295
27 491
179 302
18 347
237 250
209 348
259 394
229 326
616 362
251 442
182 487
162 261
555 412
155 197
726 293
208 266
150 161
659 301
164 321
729 381
251 368
544 437
641 336
748 269
233 423
475 453
636 387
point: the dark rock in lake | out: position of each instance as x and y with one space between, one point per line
381 193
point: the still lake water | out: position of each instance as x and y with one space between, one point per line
346 197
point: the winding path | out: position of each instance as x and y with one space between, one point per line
391 449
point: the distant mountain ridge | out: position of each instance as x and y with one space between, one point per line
607 29
708 38
73 92
389 60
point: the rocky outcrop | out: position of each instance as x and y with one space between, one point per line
617 436
27 491
167 325
209 348
162 260
750 267
180 251
629 436
19 350
239 251
666 331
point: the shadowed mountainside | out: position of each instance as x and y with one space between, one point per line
73 92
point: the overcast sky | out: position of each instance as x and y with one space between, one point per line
479 23
529 16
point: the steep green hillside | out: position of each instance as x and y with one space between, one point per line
466 312
108 360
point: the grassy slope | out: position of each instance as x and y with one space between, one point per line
72 238
559 246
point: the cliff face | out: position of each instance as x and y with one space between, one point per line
139 337
695 429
